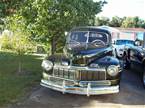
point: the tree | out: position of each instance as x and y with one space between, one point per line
19 42
133 22
49 19
102 21
116 22
9 7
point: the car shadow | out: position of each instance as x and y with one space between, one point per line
131 93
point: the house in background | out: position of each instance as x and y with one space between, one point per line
125 33
130 33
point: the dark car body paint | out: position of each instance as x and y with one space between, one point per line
137 61
101 56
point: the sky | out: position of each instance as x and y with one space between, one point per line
123 8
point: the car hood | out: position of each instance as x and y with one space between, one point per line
94 51
107 60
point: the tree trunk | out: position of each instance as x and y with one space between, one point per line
19 64
53 46
19 67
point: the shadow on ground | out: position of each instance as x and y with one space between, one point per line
131 94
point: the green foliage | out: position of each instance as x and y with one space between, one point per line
8 7
126 22
116 22
133 22
1 24
49 19
20 41
5 42
21 44
100 21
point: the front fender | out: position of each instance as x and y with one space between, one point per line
107 60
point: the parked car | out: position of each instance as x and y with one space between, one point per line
120 46
135 58
88 66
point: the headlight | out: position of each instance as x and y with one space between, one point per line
112 70
47 65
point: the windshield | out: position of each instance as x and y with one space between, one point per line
94 36
124 42
78 37
87 39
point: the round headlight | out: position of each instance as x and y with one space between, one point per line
112 70
47 65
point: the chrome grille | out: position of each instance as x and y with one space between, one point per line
82 75
85 75
64 73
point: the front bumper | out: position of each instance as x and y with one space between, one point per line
88 90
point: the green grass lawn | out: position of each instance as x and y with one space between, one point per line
14 86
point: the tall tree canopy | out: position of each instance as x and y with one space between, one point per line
133 22
116 22
49 19
125 22
102 21
8 7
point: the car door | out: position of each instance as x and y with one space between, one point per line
135 58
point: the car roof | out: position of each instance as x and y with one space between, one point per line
90 28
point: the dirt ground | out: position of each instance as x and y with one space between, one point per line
131 95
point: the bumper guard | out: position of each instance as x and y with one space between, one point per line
80 90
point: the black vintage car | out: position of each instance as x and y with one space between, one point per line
88 66
135 58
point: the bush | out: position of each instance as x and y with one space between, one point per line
6 42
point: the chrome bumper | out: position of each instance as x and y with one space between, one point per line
80 90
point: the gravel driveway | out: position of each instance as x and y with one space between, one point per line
131 95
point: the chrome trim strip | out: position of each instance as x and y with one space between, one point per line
106 82
80 68
81 90
61 78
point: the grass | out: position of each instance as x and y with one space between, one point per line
12 85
